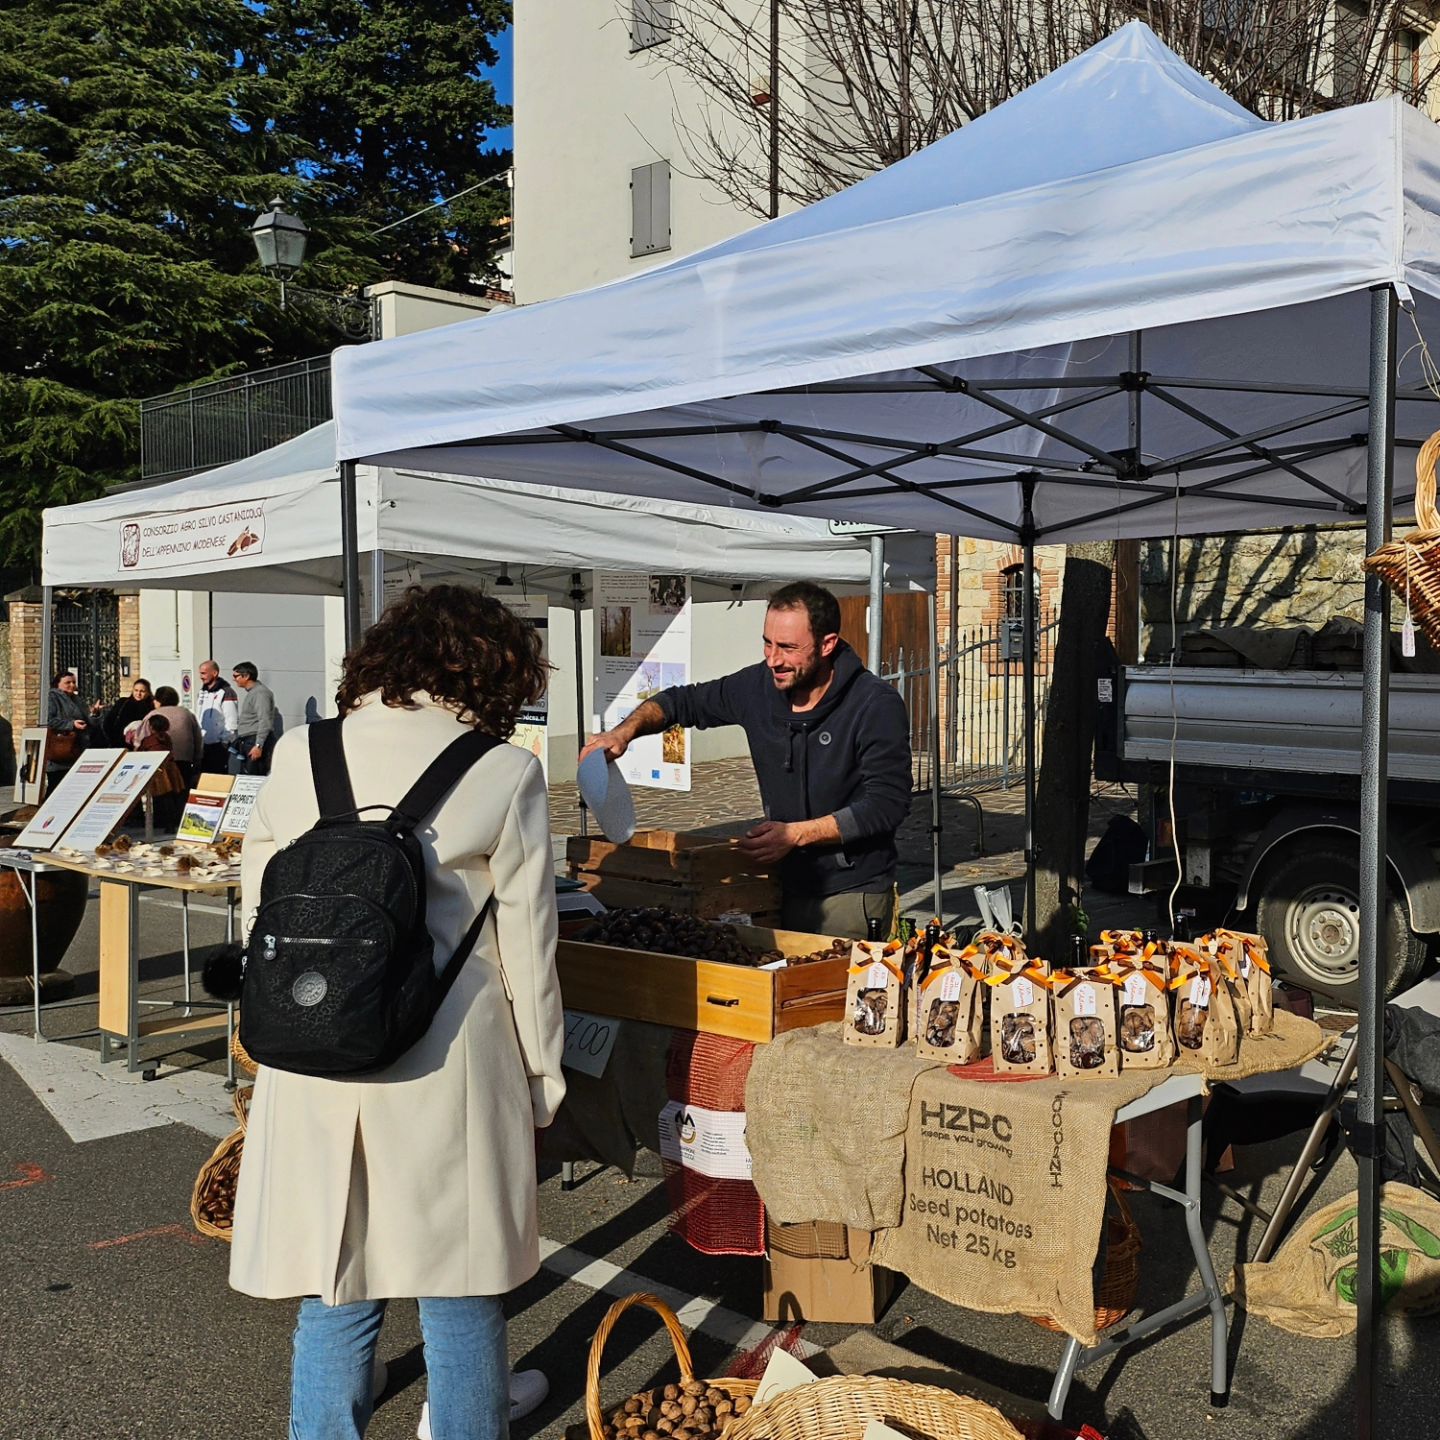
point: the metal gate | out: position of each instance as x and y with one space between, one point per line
87 641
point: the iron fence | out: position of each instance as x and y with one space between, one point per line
207 425
87 641
982 718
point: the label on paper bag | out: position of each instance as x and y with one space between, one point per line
1085 1003
1135 988
1023 992
877 977
1200 992
950 987
1407 638
709 1142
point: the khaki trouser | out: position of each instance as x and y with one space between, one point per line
840 916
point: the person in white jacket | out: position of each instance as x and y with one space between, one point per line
419 1180
219 714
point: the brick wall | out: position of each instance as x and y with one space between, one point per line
128 608
25 677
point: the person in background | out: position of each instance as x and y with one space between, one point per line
418 1180
126 711
219 713
67 718
255 725
169 787
830 743
186 742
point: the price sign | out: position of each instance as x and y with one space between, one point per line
589 1039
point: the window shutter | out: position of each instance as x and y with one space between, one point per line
650 208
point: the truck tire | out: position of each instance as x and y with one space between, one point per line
1308 911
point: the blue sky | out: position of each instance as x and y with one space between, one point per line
503 75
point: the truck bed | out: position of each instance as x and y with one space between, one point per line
1291 721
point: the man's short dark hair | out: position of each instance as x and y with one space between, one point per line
246 669
815 600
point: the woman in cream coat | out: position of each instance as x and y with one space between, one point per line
419 1180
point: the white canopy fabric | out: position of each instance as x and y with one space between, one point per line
902 353
272 523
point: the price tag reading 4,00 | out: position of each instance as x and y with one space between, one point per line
589 1039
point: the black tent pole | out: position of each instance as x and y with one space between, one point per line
1374 754
1027 655
350 553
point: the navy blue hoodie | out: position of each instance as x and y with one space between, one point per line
848 757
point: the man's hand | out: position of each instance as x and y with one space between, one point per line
611 742
256 751
768 844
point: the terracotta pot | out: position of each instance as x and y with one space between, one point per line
61 901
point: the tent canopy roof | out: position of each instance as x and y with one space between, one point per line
904 352
181 534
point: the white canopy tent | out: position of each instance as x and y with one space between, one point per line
1116 306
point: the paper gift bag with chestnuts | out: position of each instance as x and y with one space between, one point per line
1020 1014
950 1015
875 995
1086 1023
1246 957
1203 1006
1147 1040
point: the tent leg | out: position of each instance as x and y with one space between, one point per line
1374 755
876 649
936 825
47 650
377 584
350 553
577 599
1027 654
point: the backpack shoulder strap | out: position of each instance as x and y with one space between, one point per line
440 777
331 774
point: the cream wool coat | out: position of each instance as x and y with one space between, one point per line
418 1180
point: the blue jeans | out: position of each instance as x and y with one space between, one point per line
330 1389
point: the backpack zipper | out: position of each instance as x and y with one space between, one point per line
269 942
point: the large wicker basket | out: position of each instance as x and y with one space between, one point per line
1120 1277
242 1055
841 1406
1411 566
594 1413
212 1202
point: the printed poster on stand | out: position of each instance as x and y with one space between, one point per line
241 804
112 801
67 800
205 809
642 646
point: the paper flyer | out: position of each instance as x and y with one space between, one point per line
201 819
67 799
112 800
642 645
240 806
709 1142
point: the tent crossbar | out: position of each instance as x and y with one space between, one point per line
589 437
1267 432
673 432
1059 408
1261 387
1016 412
936 380
1261 452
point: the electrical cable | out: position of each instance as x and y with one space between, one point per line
1174 712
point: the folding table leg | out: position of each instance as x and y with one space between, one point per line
31 893
1064 1374
1219 1333
185 942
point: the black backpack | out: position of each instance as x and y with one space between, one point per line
339 974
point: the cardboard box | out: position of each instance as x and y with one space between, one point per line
847 1291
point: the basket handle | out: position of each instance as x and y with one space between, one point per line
593 1416
1427 517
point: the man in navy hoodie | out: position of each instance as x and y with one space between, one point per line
831 747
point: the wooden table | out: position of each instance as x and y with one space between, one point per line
120 1003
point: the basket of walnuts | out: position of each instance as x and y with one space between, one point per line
690 1410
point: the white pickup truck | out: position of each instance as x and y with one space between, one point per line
1266 767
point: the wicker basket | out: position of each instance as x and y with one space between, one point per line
242 1056
1120 1280
212 1202
841 1406
1411 567
594 1414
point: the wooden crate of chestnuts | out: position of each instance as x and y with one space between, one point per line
691 874
743 981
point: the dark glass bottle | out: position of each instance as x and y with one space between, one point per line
874 928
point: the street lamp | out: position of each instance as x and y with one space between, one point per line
280 245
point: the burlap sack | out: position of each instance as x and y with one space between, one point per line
1309 1287
1005 1193
875 995
825 1123
1020 1015
1147 1039
1087 1027
950 1010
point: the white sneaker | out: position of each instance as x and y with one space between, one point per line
528 1389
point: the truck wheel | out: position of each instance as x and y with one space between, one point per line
1309 913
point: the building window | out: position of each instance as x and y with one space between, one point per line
651 23
1405 64
650 208
1352 31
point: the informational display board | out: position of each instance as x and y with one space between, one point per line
642 646
204 811
533 731
67 800
240 804
114 796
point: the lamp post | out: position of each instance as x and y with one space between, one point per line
280 241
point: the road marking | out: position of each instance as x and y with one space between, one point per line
94 1102
182 1232
694 1312
31 1174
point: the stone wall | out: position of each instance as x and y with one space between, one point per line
1282 579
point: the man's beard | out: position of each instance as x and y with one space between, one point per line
799 678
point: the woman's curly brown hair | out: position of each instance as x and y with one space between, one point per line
457 645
